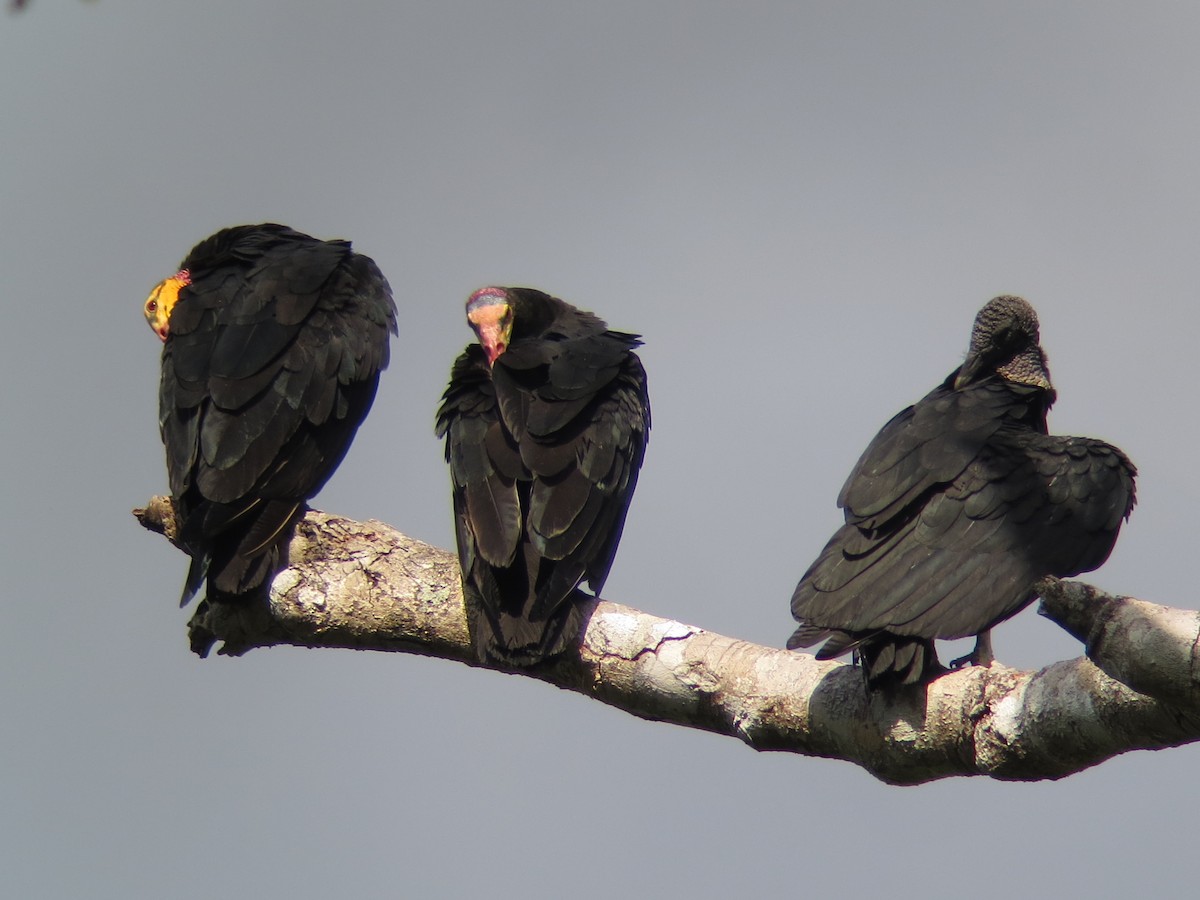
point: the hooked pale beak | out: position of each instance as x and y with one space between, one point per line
491 338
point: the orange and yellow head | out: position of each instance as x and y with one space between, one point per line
162 300
490 313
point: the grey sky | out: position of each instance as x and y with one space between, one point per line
800 206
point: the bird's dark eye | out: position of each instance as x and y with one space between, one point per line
152 306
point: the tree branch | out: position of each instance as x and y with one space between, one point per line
365 586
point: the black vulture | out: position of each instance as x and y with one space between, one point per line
545 421
273 342
957 507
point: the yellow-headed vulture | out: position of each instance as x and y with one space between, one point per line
957 507
273 345
545 422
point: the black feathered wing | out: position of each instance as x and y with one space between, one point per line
485 466
580 418
272 363
928 445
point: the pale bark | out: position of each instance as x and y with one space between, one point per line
364 585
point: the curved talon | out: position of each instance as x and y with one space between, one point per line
982 654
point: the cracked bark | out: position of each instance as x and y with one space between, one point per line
365 586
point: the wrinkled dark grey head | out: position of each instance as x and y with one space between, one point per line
1004 319
1004 342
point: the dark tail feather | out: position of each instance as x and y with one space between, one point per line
237 577
242 561
230 577
836 642
522 642
197 572
807 635
886 659
890 659
272 527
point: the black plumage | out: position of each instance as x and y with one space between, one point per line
273 345
545 422
957 507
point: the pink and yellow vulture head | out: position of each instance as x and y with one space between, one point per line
490 314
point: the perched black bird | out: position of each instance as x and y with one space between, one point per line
958 506
273 345
545 422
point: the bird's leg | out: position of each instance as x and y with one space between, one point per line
982 654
